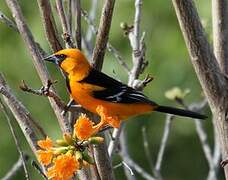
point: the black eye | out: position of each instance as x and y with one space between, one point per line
61 57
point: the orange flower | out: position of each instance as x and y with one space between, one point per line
45 144
113 121
64 167
83 127
45 157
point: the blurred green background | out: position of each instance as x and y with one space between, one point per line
169 64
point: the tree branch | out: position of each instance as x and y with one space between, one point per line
8 22
78 34
220 33
16 167
126 158
20 113
206 67
16 140
103 34
49 24
109 45
164 140
39 65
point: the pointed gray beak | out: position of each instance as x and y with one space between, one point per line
52 58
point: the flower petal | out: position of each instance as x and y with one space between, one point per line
45 144
45 157
83 127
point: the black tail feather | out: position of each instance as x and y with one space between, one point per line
180 112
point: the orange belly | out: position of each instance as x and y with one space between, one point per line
121 110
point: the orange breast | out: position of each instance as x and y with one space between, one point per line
82 93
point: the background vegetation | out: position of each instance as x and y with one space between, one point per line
168 63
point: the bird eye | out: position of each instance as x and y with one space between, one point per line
61 56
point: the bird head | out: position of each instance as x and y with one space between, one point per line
69 60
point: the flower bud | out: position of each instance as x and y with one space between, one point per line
96 140
59 150
78 156
61 142
68 138
86 157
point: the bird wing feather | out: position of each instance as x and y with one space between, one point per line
114 91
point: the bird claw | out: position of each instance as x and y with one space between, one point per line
224 162
113 121
45 89
67 107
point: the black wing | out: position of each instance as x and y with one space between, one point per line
114 91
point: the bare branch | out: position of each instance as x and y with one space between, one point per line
39 169
91 16
114 141
20 113
118 57
201 54
62 16
103 33
49 24
148 155
8 21
126 158
78 24
69 15
168 123
220 33
44 91
103 161
16 167
134 37
207 69
16 140
39 65
109 46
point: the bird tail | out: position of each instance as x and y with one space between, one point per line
180 112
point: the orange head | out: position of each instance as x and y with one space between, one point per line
71 61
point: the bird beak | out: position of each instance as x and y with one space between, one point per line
52 58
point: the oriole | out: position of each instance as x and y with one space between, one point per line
93 89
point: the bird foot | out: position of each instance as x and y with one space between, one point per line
67 107
46 89
113 121
224 162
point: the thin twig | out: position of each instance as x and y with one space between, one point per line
118 57
103 34
220 33
16 140
126 158
115 140
44 91
148 155
166 132
110 47
198 107
11 24
62 16
91 16
134 37
8 21
49 24
39 169
16 167
126 165
69 15
78 34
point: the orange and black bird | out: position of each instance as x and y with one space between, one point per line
91 89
